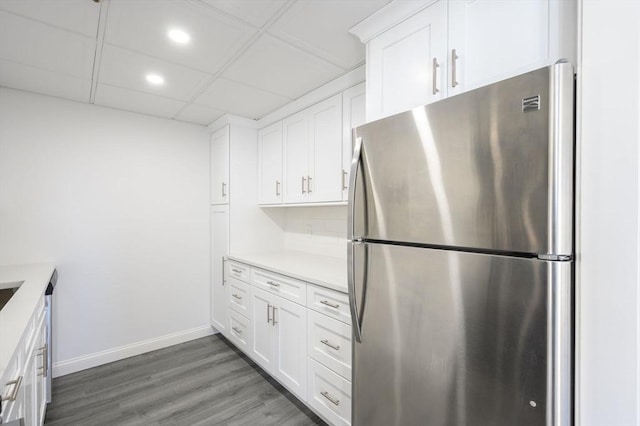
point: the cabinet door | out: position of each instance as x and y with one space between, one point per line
262 345
407 63
270 164
42 370
219 249
220 166
353 115
495 39
325 163
295 140
290 339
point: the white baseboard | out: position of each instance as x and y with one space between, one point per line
73 365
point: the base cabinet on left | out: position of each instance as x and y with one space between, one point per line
23 396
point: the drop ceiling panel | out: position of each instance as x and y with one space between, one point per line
126 69
322 27
39 45
278 67
254 12
32 79
143 25
80 16
240 99
199 114
129 100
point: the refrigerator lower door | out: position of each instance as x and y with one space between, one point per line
458 338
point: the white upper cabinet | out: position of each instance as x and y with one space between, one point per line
295 139
353 115
270 164
220 166
324 183
419 52
407 63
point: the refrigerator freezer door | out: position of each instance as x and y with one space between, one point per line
455 338
491 169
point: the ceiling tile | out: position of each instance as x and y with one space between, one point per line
37 80
240 99
123 68
255 12
80 16
322 27
32 43
199 114
143 25
278 67
129 100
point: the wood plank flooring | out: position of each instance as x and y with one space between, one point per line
202 382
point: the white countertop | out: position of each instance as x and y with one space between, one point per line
15 316
329 272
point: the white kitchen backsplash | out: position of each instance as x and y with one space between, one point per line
317 230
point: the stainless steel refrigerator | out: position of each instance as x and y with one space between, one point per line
460 258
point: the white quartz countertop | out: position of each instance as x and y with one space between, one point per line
329 272
15 316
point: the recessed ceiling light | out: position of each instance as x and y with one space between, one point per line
179 36
155 79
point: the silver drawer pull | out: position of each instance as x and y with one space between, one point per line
333 305
326 342
237 330
273 284
237 271
16 387
333 400
236 296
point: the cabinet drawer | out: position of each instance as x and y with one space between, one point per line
328 393
239 296
285 287
329 302
329 342
239 332
238 270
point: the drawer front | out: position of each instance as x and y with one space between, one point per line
329 342
329 302
239 332
288 288
239 296
238 270
328 393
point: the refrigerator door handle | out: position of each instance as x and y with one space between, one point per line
355 165
351 284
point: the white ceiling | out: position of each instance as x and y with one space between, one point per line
245 57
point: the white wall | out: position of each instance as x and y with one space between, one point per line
119 201
317 230
608 305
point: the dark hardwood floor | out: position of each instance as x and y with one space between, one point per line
202 382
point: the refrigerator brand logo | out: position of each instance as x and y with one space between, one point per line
532 103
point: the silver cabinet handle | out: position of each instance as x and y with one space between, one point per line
273 321
309 184
333 400
435 75
237 271
236 296
454 58
304 180
334 347
268 312
45 360
273 284
237 330
332 305
344 180
277 188
16 387
224 194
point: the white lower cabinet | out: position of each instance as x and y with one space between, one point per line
297 332
329 394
